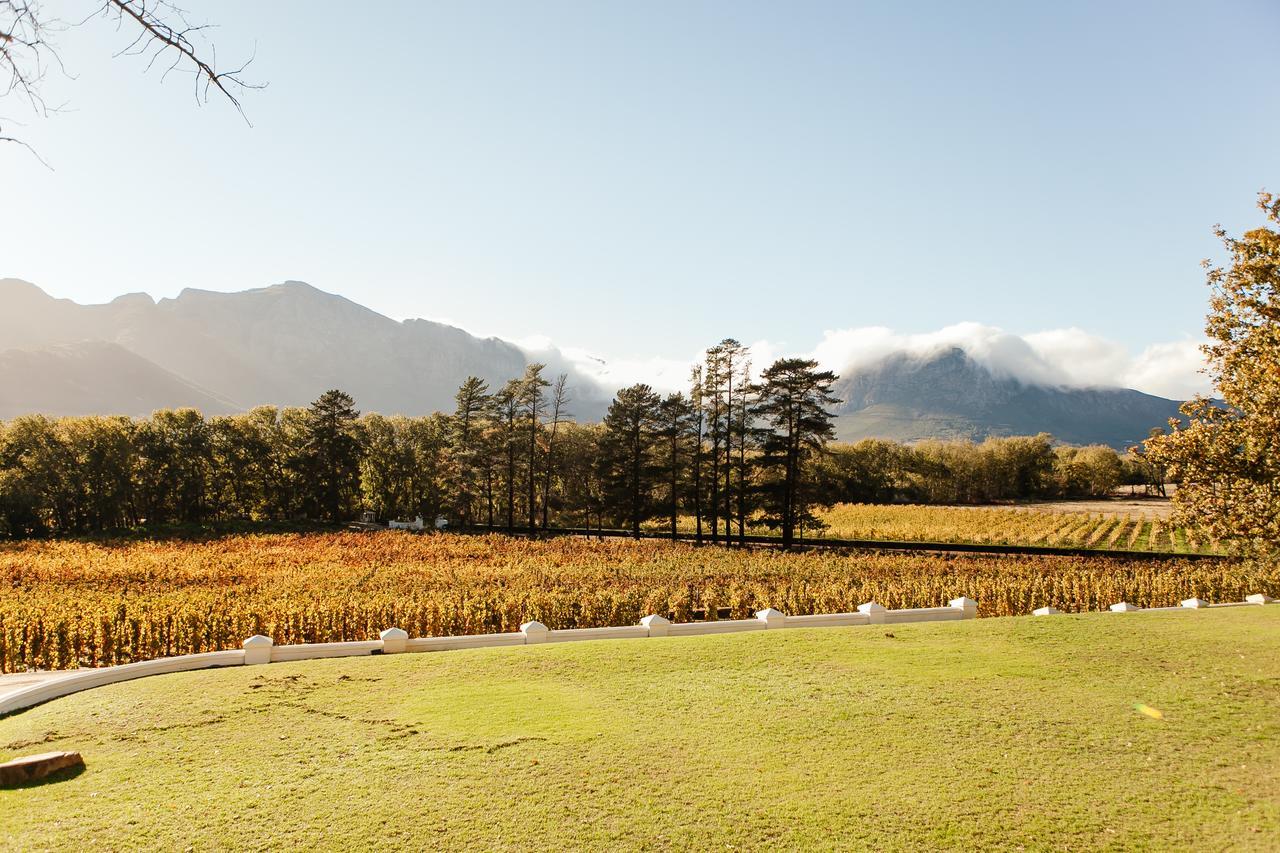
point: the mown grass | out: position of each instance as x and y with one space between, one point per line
997 733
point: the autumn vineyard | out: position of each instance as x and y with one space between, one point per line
74 604
1004 525
1014 526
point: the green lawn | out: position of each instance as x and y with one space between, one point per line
995 733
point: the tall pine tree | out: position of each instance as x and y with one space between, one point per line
332 453
626 451
793 400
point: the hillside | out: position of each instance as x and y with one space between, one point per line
280 345
950 395
985 734
94 377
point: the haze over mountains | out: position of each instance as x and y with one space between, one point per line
288 343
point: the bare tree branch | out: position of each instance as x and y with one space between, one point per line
28 50
34 153
165 29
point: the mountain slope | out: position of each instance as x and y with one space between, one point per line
283 345
950 395
95 378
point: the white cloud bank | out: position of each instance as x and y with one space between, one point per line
1070 357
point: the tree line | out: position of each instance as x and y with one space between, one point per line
729 452
732 452
965 472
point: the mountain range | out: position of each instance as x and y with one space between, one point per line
225 352
288 343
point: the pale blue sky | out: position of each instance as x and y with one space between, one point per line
642 179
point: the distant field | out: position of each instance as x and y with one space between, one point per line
996 734
1118 525
1124 524
1136 506
70 604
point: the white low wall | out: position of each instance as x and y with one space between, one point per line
724 626
626 632
826 620
475 641
260 650
76 680
309 651
1188 604
925 614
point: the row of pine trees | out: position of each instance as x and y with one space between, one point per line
729 450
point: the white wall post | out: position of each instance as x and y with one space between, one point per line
1124 607
656 624
393 641
967 605
257 649
1259 598
1195 603
1046 611
875 612
772 618
534 632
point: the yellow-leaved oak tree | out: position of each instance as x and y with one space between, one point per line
1226 458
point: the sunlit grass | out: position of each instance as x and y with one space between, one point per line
1000 733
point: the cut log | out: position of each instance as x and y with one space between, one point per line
32 768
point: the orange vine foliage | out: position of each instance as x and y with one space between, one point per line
68 604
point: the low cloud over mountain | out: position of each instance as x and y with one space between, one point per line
949 393
1068 357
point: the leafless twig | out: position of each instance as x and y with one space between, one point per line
163 30
28 50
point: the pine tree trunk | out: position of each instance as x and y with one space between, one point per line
742 478
714 519
488 488
635 485
533 452
511 486
728 456
674 462
697 476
